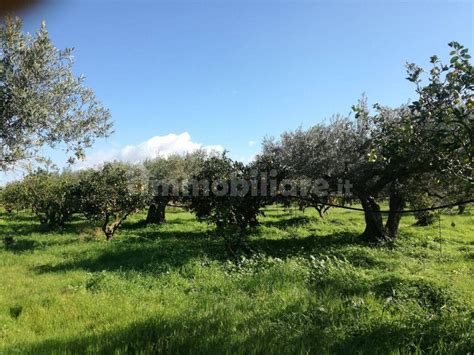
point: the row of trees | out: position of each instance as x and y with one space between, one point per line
424 149
417 154
107 195
110 194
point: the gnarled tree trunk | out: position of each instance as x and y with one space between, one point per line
109 233
110 229
396 204
374 229
156 211
321 209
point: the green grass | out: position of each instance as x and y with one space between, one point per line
309 285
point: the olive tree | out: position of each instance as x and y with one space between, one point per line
14 196
51 196
307 156
42 103
428 145
372 152
167 177
222 194
443 114
109 195
385 153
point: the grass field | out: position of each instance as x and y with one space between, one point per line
308 286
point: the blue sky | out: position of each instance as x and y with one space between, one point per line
233 72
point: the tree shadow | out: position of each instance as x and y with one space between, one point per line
310 245
17 229
22 245
288 222
138 225
142 252
431 336
154 249
19 246
155 233
21 225
180 334
18 217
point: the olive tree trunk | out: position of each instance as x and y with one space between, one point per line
374 229
396 205
108 228
156 211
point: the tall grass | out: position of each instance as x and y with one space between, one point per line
306 285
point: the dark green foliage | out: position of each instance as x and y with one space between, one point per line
218 197
389 154
422 201
443 115
52 196
168 176
111 194
14 196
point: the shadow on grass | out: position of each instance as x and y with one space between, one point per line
145 252
156 248
153 233
304 246
21 225
20 246
288 222
141 253
23 245
19 230
156 336
18 217
142 224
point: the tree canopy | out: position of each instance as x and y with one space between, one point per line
394 153
42 103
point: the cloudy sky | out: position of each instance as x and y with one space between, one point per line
153 147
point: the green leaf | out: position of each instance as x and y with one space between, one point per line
454 59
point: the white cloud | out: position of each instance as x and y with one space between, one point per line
246 159
251 143
153 147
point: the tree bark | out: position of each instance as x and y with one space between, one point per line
105 228
396 204
322 210
109 230
156 211
374 229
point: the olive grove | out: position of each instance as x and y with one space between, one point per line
418 155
